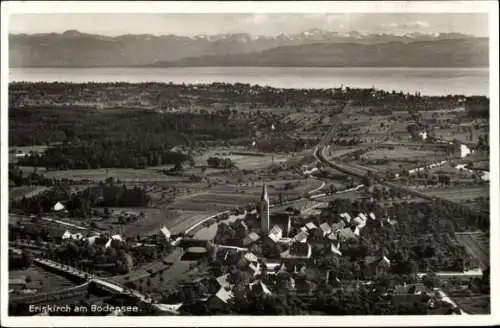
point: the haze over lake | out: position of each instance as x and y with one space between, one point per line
429 81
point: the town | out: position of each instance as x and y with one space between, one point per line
203 199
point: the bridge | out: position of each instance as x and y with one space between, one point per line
80 290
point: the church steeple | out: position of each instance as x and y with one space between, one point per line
264 210
263 195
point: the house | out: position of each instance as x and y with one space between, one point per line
166 233
358 222
91 240
347 218
311 226
408 294
220 301
250 239
417 288
301 237
274 268
69 235
372 216
66 235
114 237
325 228
250 257
59 207
285 241
247 259
376 266
275 234
222 280
347 234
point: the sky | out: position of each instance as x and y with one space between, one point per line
254 24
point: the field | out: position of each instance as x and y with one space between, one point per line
41 280
16 193
477 245
461 193
399 153
452 133
243 162
391 165
336 151
125 175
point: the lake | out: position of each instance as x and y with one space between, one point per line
429 81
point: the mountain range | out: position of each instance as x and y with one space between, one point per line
311 48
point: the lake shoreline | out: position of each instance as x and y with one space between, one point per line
426 81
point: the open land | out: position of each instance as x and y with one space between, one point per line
172 156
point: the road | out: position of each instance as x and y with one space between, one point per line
360 172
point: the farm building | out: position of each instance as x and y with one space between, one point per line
374 266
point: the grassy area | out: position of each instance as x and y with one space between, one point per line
243 162
16 193
461 193
400 153
41 280
125 175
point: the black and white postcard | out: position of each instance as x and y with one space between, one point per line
249 163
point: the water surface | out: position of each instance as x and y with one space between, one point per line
429 81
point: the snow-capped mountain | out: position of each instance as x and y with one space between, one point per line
73 48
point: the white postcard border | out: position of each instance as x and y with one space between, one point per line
490 7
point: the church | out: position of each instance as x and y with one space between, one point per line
268 221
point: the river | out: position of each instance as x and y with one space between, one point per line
428 81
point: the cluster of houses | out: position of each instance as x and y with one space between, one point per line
309 236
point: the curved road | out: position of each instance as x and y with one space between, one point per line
358 171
